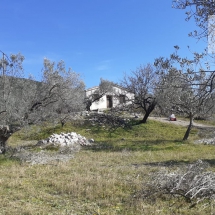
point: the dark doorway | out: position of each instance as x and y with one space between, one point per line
109 101
122 99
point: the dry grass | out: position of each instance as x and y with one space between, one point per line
104 179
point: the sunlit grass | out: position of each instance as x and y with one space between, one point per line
104 178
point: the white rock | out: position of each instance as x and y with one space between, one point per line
69 139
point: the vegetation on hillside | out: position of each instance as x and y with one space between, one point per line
139 168
106 178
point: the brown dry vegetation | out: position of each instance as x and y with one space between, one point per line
106 178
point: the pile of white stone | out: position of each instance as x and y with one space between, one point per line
66 140
64 146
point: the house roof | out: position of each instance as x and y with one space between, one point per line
115 85
92 88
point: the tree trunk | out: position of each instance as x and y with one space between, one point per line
62 123
4 135
3 141
148 111
145 117
88 105
189 127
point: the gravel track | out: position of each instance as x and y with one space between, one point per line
180 122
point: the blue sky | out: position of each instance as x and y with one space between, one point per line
96 38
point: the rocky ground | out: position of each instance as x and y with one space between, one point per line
61 148
57 148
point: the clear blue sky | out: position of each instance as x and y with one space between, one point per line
96 38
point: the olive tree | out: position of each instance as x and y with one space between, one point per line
142 82
11 69
61 92
25 101
185 87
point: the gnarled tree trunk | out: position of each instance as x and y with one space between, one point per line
189 127
4 135
149 107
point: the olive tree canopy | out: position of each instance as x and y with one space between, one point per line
25 101
60 93
142 82
202 11
186 87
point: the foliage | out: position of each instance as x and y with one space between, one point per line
25 101
142 83
202 12
185 86
11 69
61 93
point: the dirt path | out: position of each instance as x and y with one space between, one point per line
180 122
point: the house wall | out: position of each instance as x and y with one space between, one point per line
102 103
119 91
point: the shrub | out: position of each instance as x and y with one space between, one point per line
193 183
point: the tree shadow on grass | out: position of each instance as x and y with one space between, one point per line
169 163
173 163
133 145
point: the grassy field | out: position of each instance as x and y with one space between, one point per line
106 178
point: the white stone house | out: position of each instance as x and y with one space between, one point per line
118 96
